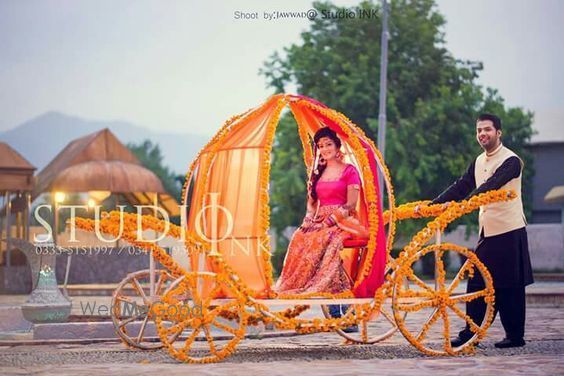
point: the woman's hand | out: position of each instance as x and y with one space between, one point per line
317 227
344 210
308 222
312 226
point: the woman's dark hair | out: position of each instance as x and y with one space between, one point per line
491 117
317 172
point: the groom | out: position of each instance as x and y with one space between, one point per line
502 246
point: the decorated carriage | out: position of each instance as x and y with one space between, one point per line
202 312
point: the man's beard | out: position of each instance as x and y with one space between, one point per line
491 144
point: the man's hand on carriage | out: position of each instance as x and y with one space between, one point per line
445 206
417 211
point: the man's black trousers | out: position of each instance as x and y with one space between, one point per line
509 302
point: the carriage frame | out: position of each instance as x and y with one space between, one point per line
229 305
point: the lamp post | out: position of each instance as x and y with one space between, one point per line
383 83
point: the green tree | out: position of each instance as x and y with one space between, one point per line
150 156
288 191
433 100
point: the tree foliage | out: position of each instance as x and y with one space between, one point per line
150 156
433 100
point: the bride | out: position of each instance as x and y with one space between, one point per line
312 263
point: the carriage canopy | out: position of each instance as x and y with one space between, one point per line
227 190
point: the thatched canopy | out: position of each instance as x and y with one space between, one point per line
113 176
100 162
16 173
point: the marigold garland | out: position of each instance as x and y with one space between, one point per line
264 184
284 320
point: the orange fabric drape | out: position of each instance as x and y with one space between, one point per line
234 176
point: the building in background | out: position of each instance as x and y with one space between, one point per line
549 173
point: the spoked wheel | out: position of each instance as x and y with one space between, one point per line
219 324
131 303
377 327
418 309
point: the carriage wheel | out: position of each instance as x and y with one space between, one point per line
131 302
219 324
418 308
379 326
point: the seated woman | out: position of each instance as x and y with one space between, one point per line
312 263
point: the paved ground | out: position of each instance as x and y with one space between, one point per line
319 354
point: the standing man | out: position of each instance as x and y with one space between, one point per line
502 246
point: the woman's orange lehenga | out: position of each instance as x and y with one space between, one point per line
313 263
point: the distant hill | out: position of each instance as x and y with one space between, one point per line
39 140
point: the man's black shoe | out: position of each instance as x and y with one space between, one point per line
351 329
507 343
459 341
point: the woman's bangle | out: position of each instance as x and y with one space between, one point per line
329 221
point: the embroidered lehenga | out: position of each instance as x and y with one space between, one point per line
313 262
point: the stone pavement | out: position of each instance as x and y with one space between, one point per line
485 366
319 354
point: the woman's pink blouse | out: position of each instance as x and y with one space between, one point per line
335 192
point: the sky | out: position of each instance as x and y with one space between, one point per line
187 66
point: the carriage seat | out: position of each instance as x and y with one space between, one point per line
352 254
355 243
